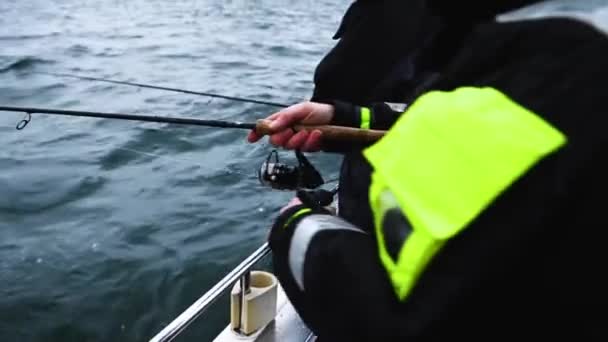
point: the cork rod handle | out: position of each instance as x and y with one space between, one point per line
335 133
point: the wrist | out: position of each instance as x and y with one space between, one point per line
345 114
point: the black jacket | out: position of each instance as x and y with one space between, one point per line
373 61
530 266
373 58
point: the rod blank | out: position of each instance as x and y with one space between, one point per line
262 127
132 117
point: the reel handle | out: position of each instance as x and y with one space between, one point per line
336 133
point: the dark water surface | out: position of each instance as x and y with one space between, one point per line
110 229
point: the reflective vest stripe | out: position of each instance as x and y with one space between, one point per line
366 118
306 230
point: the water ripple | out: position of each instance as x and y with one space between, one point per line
10 63
28 195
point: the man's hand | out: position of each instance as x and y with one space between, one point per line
305 113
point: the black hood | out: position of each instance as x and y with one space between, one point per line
474 10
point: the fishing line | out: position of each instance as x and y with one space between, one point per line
177 90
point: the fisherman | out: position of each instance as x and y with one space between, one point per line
372 62
487 193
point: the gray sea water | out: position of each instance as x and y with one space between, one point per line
110 229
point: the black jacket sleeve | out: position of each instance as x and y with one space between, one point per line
382 116
331 273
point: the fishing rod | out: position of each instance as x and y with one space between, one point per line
261 126
272 173
178 90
